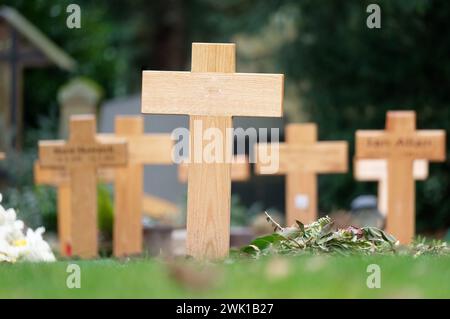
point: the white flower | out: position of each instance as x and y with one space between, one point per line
15 245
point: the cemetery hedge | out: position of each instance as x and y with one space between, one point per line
276 277
339 74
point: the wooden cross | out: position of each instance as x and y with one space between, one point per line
301 158
82 155
376 170
143 149
211 94
400 144
240 170
60 179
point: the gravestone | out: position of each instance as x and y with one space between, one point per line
401 144
211 94
82 155
301 158
78 96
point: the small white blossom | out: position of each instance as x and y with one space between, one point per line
17 246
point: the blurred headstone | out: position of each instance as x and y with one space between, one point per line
365 212
78 96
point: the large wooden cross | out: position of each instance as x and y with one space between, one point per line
400 144
376 170
82 155
60 179
143 149
301 158
211 94
240 170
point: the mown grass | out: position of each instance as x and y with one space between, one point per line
276 277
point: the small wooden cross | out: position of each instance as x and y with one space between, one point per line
240 170
400 144
301 158
143 149
82 155
376 170
60 179
210 94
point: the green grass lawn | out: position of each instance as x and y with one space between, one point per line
294 277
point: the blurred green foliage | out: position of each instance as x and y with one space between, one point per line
339 73
105 210
347 76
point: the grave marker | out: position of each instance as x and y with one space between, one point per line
376 170
400 144
211 94
60 179
301 158
82 155
143 149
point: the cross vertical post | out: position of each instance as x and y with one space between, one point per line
81 156
301 186
209 184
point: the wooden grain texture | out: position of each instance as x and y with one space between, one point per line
234 94
376 170
211 94
208 204
209 184
81 156
240 170
400 144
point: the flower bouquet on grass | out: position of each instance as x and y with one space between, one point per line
16 245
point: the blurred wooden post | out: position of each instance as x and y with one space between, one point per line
400 144
301 159
60 179
82 155
211 94
143 149
376 170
